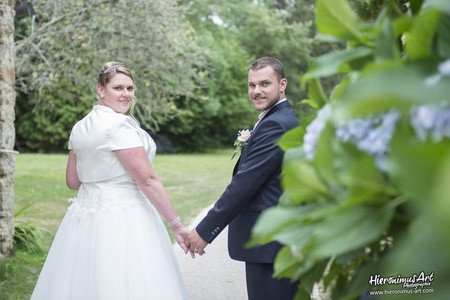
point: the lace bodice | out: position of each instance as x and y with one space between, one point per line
95 197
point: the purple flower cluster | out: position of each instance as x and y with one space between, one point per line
313 131
371 135
374 133
431 121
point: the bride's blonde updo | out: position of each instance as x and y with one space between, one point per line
111 68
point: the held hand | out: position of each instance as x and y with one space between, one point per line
181 235
196 243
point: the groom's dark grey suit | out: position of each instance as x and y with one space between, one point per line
255 186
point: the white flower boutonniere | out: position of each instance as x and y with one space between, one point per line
241 140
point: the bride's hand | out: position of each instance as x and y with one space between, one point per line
181 234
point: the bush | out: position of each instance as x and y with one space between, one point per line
28 237
366 193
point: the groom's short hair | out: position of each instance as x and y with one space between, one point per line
267 61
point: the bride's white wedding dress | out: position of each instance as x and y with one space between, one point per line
112 243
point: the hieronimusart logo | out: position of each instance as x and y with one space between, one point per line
414 281
413 284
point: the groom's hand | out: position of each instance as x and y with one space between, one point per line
196 243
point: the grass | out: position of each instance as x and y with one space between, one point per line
193 181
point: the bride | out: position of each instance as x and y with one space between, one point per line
112 243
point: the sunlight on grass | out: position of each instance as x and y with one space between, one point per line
194 181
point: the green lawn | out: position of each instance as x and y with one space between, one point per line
193 181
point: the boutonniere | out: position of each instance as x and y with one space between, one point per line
241 140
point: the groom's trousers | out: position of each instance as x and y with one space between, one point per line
261 285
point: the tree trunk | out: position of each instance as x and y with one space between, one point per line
7 132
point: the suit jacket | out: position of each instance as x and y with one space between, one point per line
255 186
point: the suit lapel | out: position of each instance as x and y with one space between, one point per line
276 108
270 112
255 132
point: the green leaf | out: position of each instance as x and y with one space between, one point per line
292 139
337 18
273 220
307 263
359 174
416 170
421 36
391 85
439 208
339 89
302 294
317 97
415 5
402 24
288 225
24 209
325 157
443 37
350 229
28 237
301 181
334 270
358 284
386 41
285 264
335 62
313 275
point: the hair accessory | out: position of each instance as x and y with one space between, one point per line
109 69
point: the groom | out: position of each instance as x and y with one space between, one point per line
255 185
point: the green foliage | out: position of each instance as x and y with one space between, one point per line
235 33
190 62
346 214
272 32
212 119
44 124
27 236
18 275
60 52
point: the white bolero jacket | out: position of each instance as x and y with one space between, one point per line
95 138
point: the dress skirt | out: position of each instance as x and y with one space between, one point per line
111 244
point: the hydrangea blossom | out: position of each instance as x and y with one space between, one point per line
313 131
356 129
371 135
431 120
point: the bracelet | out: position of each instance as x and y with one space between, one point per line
175 221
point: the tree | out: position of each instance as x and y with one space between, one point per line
366 194
7 100
262 30
220 106
62 51
235 33
200 91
